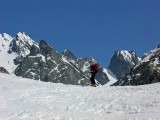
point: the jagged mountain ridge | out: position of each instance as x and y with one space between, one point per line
48 65
40 61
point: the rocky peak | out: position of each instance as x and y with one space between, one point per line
158 46
126 55
6 36
45 47
22 36
122 61
21 44
69 56
34 50
49 52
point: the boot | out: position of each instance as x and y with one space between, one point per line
93 85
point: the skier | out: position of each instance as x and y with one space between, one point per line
93 71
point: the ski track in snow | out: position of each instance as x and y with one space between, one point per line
25 99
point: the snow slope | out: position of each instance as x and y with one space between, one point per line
111 77
6 60
25 99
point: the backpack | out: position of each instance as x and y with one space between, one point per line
95 68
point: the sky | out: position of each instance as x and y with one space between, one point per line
88 28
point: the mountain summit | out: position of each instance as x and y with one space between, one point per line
122 61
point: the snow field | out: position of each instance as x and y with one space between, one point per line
25 99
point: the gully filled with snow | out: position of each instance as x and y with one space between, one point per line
26 99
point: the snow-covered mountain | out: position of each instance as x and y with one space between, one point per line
147 71
21 44
6 59
25 99
122 61
12 50
24 57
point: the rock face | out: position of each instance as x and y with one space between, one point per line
147 71
122 61
69 56
21 44
3 70
44 63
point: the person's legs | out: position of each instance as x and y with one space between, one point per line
92 78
